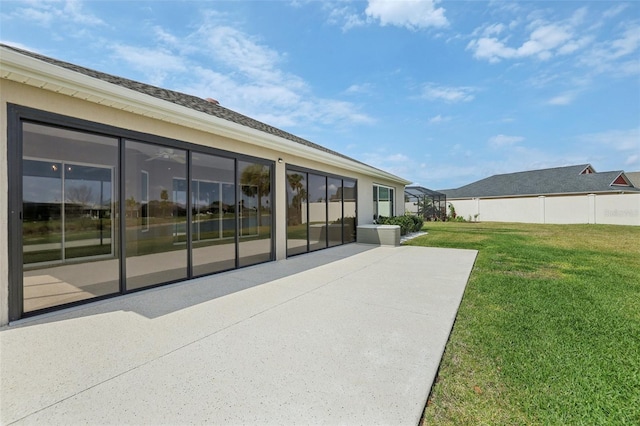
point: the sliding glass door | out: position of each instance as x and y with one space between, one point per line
321 210
99 211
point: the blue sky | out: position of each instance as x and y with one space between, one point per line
442 93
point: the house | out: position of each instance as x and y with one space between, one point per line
114 186
572 194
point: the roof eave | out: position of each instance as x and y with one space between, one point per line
33 72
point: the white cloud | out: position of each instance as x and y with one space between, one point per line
48 14
411 14
543 42
563 99
241 52
346 16
439 119
632 160
157 63
542 39
617 57
615 10
493 29
221 61
500 141
365 88
617 140
431 91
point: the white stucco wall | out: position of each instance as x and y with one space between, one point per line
45 100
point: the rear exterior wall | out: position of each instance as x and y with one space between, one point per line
32 97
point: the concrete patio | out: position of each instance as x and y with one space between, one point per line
348 335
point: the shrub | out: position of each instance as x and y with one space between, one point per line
407 223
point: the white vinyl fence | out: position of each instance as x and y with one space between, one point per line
613 209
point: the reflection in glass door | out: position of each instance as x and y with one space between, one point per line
297 232
68 202
155 214
254 210
87 210
213 214
317 212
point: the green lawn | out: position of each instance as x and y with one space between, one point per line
548 331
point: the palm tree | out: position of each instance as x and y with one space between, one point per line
255 181
297 186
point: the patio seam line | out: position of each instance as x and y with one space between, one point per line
178 348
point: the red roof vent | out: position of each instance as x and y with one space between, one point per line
213 101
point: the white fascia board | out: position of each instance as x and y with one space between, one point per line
31 71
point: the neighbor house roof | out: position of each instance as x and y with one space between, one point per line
634 177
579 179
14 69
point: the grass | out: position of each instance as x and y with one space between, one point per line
548 331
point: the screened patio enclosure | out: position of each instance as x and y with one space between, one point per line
429 204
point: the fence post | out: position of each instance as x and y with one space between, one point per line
541 205
592 208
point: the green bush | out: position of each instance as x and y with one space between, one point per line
407 223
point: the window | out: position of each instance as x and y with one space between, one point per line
383 201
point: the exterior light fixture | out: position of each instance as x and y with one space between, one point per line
280 160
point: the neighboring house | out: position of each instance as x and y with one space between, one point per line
109 186
573 194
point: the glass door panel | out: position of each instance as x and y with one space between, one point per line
317 212
297 234
254 213
156 212
69 198
42 211
213 214
350 206
334 226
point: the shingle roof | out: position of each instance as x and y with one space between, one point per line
183 99
634 177
559 180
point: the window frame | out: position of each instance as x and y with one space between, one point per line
377 200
